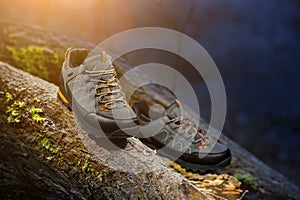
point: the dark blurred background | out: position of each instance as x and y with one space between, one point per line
254 43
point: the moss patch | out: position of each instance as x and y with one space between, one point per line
246 179
18 111
54 146
36 60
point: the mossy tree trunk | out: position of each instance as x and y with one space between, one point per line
47 156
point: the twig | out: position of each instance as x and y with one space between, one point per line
244 193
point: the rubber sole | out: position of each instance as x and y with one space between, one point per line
194 167
203 168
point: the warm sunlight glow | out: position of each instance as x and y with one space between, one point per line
79 4
93 20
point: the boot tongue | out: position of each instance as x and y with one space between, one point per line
98 62
173 110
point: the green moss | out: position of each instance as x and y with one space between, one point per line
99 176
17 110
46 143
28 113
35 114
85 167
35 60
247 179
37 100
8 97
49 158
52 152
56 150
14 110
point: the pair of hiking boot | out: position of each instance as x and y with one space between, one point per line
89 86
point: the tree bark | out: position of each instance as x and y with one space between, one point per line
50 161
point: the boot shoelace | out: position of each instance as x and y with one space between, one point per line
112 89
189 130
